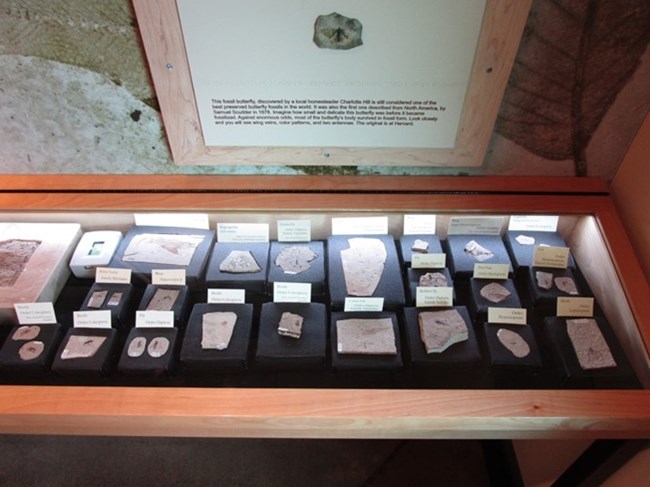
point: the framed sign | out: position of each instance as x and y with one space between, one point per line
350 83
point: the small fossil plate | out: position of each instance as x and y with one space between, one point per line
295 259
114 299
217 329
239 262
366 336
136 347
335 31
477 251
31 350
544 279
495 292
420 246
163 300
566 285
97 299
27 332
514 342
81 346
290 325
158 347
525 240
433 279
589 344
439 330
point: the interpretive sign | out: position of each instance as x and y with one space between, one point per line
308 82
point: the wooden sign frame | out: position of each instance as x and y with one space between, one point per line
160 27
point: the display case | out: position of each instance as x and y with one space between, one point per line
325 403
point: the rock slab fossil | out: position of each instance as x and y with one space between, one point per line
335 31
439 330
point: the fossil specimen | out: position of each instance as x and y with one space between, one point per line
81 346
163 300
97 299
14 255
566 285
26 332
114 299
494 292
589 344
160 248
290 325
295 259
366 336
433 279
525 240
477 251
544 279
31 350
363 263
136 347
217 328
335 31
439 330
420 246
239 262
158 347
514 342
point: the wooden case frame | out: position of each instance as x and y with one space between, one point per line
600 245
503 24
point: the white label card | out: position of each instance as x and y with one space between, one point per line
491 271
35 313
92 319
575 307
434 296
363 304
428 261
110 275
183 220
533 223
555 257
291 292
419 225
507 316
374 225
154 319
480 225
168 277
243 232
294 231
226 296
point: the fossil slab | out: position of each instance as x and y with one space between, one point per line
81 346
163 300
114 299
366 336
589 344
97 299
335 31
31 350
363 263
566 285
162 248
544 279
495 292
26 332
420 246
217 329
295 259
514 342
158 347
239 262
480 253
525 240
136 347
441 329
433 279
14 255
290 325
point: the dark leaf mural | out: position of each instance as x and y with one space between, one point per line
574 58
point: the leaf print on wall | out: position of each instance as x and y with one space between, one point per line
574 58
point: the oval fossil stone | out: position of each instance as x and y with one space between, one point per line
335 31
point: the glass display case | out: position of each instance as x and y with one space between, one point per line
481 388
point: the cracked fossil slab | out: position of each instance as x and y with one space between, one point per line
439 330
290 325
239 262
163 300
363 263
335 31
544 279
433 279
589 344
295 259
81 346
366 336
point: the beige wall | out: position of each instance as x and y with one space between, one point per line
631 192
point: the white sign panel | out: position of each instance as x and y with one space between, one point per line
260 78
